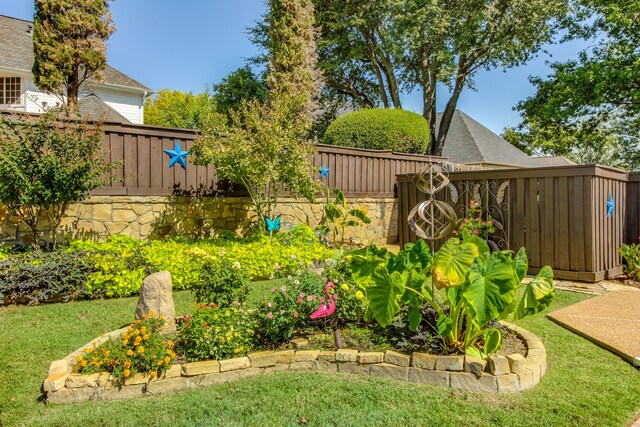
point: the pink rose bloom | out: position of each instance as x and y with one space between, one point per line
324 279
302 295
300 300
273 290
270 304
283 289
295 314
276 267
269 315
335 296
321 299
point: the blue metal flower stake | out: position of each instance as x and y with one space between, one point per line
177 156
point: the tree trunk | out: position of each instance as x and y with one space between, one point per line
72 100
429 97
447 115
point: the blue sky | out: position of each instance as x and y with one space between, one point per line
188 44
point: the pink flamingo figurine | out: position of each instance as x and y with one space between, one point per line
326 309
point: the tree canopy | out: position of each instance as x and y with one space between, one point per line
588 108
69 46
172 108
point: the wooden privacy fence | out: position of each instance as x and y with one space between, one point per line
560 215
145 171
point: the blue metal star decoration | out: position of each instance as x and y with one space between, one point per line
177 156
610 205
324 172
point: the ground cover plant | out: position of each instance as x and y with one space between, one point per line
116 267
584 385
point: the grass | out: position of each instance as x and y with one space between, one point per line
585 385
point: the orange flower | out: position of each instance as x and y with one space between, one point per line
79 358
83 363
126 373
167 360
140 349
127 364
153 374
124 343
130 352
160 363
145 337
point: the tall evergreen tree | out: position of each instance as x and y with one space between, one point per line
69 46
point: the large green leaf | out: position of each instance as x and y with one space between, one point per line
452 262
420 254
359 213
332 212
340 199
383 294
483 247
491 288
492 341
538 294
363 266
521 264
444 326
415 317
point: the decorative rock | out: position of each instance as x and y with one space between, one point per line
276 368
285 356
105 379
200 368
326 366
346 355
155 295
71 395
164 386
450 363
137 379
352 368
517 363
469 382
54 382
499 365
327 355
424 360
423 376
306 355
225 377
474 365
174 371
507 383
305 365
371 357
299 343
263 359
78 381
389 371
120 393
395 358
59 367
235 364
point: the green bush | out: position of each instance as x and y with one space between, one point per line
40 277
380 129
212 332
631 256
221 283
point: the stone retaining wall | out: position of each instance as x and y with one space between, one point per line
156 217
500 374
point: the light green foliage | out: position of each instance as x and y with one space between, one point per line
588 107
69 46
215 333
631 256
221 283
121 263
45 166
380 129
337 217
236 87
262 148
172 108
478 287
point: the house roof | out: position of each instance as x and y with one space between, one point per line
470 142
554 161
95 108
16 52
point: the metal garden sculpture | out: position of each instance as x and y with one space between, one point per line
177 156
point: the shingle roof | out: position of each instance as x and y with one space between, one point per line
16 51
470 142
93 107
554 161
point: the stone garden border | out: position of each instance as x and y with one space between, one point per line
500 374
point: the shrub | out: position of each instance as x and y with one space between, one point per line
380 129
45 167
221 283
139 350
213 332
40 277
476 222
631 256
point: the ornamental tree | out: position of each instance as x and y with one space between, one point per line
69 46
46 165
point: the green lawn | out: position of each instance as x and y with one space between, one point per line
584 386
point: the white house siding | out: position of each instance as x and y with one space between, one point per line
36 101
130 105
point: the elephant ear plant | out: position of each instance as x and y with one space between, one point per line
473 288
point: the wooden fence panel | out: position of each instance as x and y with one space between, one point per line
558 214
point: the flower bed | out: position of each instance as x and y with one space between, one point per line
498 374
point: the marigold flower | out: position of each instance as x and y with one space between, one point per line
130 352
127 364
160 362
153 374
79 358
83 363
140 349
126 372
359 295
344 287
167 360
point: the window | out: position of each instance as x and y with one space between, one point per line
9 90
